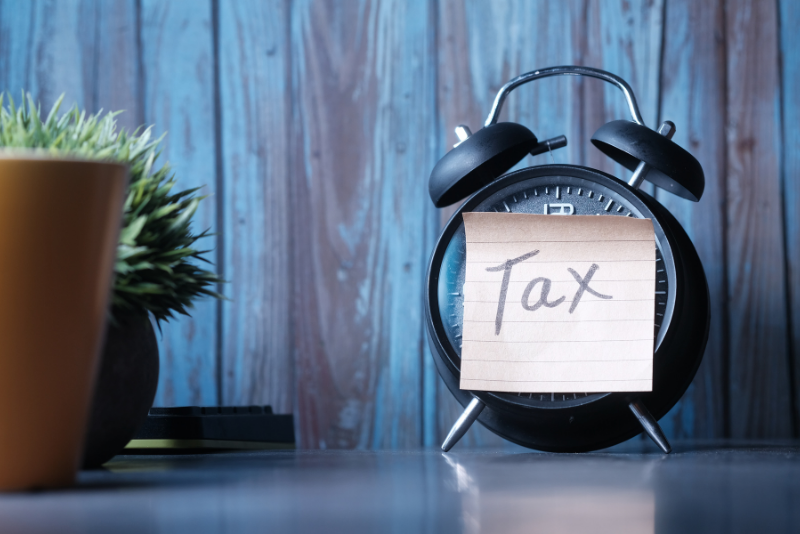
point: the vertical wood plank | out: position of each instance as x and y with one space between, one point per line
16 28
790 71
759 378
117 84
693 97
64 35
364 82
255 110
47 50
86 50
178 70
484 44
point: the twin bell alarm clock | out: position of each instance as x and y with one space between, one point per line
474 169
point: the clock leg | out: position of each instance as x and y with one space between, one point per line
650 425
472 411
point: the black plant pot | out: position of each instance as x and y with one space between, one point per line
125 389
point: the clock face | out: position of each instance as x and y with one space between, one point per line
558 195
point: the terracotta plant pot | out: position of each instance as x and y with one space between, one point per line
125 389
59 225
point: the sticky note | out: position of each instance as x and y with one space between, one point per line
562 304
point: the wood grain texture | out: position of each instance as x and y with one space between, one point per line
16 29
759 378
258 356
117 84
693 97
48 50
482 45
364 85
790 176
85 49
178 69
624 38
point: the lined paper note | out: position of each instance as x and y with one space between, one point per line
562 304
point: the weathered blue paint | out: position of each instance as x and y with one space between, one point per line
364 85
178 70
84 49
47 50
118 71
759 378
255 105
693 97
790 175
16 28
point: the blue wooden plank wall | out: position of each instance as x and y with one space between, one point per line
313 127
177 59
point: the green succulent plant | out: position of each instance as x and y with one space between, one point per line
157 266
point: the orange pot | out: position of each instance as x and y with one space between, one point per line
59 225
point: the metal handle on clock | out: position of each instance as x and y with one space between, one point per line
565 71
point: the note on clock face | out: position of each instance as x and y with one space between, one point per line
561 304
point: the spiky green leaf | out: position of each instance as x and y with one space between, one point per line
157 266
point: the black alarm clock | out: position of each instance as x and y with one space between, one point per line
571 422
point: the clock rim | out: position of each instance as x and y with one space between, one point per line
500 413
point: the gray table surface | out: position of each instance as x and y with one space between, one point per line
701 487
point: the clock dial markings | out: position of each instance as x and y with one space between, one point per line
608 203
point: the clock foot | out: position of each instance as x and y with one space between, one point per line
650 425
471 413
